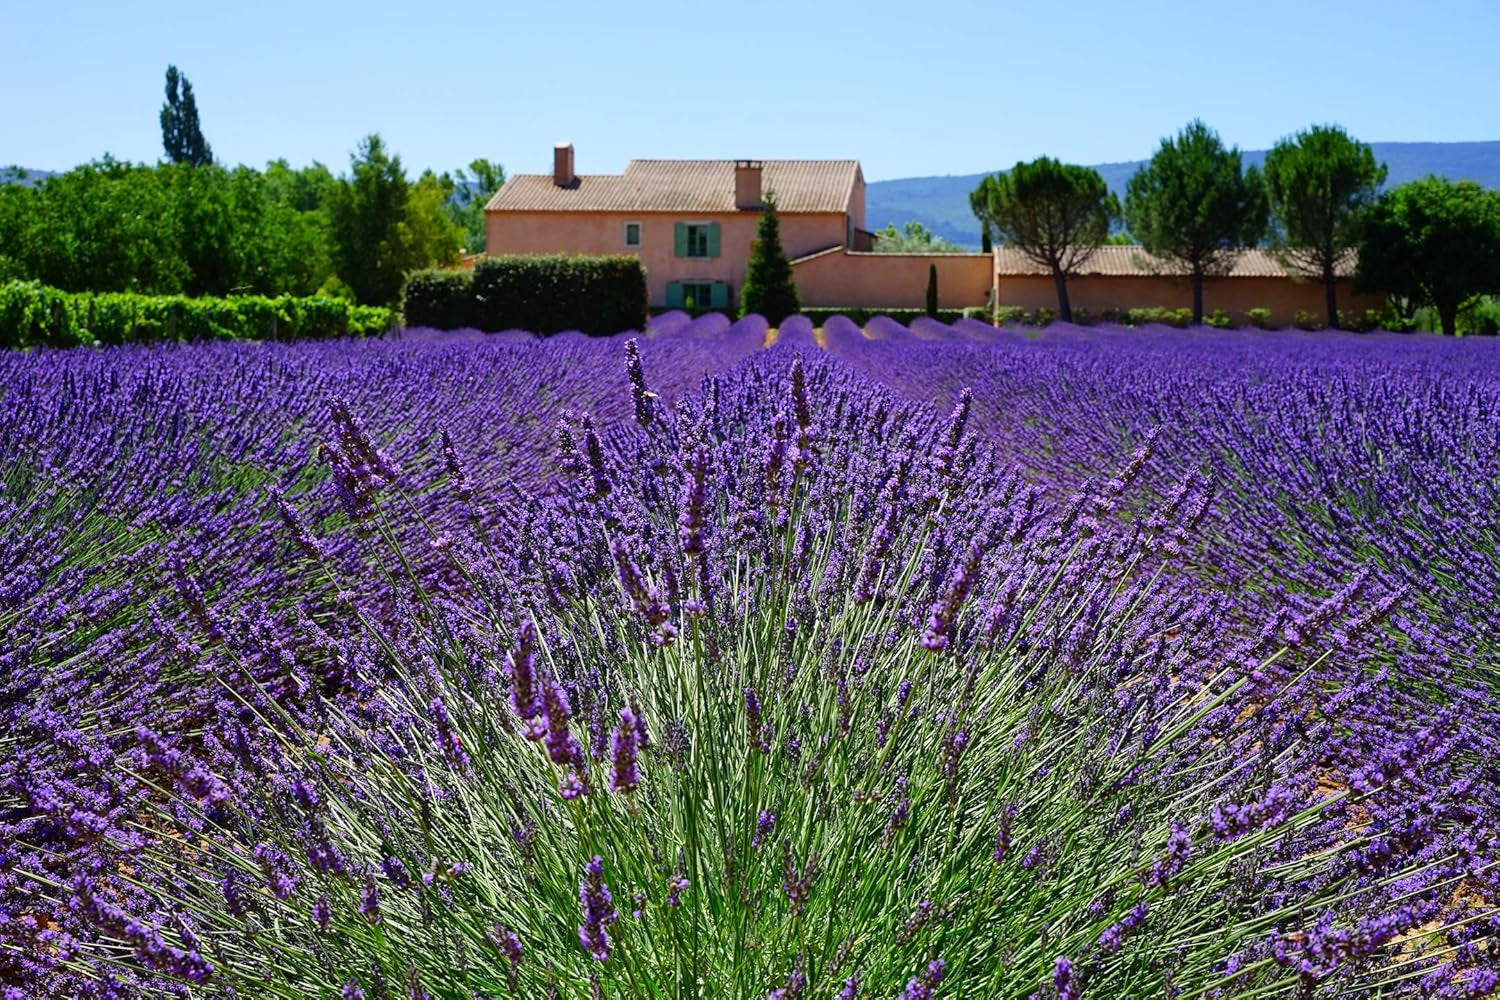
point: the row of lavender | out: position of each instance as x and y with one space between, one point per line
795 688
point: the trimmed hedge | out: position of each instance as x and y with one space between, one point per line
442 299
543 294
35 315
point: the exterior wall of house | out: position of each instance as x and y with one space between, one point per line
1236 296
892 280
604 233
857 202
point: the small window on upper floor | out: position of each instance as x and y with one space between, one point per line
632 234
697 241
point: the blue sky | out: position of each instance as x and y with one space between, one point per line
935 87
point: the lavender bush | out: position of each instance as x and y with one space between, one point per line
481 667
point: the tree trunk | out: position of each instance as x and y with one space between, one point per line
1064 310
1197 297
1448 314
1330 289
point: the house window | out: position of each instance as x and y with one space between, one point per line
632 234
697 295
697 239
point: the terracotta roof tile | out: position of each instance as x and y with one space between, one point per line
705 186
1126 261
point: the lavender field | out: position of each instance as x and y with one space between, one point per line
927 662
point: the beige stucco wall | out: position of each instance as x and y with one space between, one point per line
893 280
857 201
604 233
1283 296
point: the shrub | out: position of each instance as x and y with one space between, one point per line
1307 320
1260 318
1010 315
1042 317
33 315
553 293
1361 321
439 298
1180 318
1218 319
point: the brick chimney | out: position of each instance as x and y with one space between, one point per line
747 184
562 165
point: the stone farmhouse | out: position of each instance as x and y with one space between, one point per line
693 224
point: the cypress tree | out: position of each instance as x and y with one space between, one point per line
769 289
181 135
932 290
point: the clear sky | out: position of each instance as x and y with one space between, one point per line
908 88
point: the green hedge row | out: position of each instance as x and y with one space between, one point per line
543 294
34 315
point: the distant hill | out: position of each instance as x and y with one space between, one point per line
942 203
21 175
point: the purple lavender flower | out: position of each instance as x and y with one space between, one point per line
1115 936
369 901
508 943
945 611
638 392
797 883
623 753
598 911
525 691
562 746
322 914
765 825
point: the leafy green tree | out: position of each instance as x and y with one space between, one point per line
932 296
1319 183
913 237
1434 241
384 226
769 288
1056 214
181 134
1196 206
472 190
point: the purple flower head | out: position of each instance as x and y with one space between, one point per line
765 825
369 901
508 943
322 914
945 611
598 910
562 746
798 884
525 691
624 750
1114 936
642 398
923 987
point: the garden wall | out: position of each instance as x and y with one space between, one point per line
1285 297
838 277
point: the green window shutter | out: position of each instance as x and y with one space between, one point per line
674 288
713 239
719 299
680 234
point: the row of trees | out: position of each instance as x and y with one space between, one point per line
1316 204
193 226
